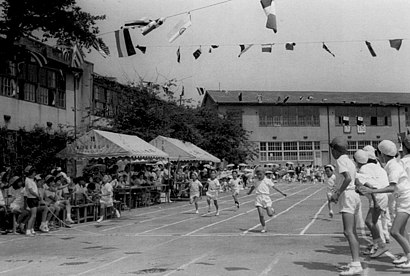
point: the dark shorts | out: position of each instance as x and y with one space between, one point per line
32 202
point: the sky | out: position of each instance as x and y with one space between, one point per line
343 25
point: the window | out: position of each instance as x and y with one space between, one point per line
7 86
353 146
235 115
289 151
42 95
289 116
372 116
30 92
407 110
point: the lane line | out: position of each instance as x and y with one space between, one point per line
100 266
270 267
182 267
14 269
313 220
284 211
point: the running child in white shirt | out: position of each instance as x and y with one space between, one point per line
262 186
213 192
234 186
349 201
195 187
330 182
400 185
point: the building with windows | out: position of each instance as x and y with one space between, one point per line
298 126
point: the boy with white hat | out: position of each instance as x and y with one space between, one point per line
330 185
400 185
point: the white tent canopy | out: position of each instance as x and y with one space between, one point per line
182 151
104 144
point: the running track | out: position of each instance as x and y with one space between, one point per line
170 239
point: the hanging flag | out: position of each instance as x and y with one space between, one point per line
278 100
327 49
139 22
179 55
143 49
39 58
201 91
240 96
270 11
197 53
183 91
369 46
77 58
244 49
290 46
124 43
213 47
101 48
309 98
267 48
286 99
395 43
300 98
179 29
152 26
259 98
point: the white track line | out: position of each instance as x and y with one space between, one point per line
182 267
284 211
100 266
270 267
313 220
14 268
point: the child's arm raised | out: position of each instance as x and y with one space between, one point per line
251 190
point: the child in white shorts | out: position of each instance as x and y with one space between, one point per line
330 186
234 185
195 187
213 192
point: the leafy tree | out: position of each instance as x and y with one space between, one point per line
59 19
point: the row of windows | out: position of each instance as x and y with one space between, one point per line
31 83
353 146
289 116
289 151
105 101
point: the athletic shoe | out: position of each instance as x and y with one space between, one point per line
404 265
196 212
69 220
117 213
32 231
209 210
387 240
400 259
370 250
43 229
331 214
217 213
100 219
237 205
380 251
29 234
263 231
353 270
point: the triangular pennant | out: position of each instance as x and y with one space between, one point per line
324 46
180 28
143 49
270 11
244 49
240 96
395 43
213 47
183 91
179 55
369 46
152 26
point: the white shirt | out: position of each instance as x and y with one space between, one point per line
234 184
344 164
406 163
397 174
330 182
30 184
262 187
374 175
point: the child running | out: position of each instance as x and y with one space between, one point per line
195 187
261 186
399 184
234 186
349 201
330 185
213 192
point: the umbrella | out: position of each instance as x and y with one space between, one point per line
243 165
231 165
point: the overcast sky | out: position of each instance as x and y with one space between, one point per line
307 68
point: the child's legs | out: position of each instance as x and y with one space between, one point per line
371 222
32 219
399 225
216 204
208 200
261 217
349 232
329 203
269 211
44 211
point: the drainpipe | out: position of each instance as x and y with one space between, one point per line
328 132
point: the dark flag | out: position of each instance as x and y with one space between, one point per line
369 46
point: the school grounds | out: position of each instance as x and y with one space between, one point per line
170 239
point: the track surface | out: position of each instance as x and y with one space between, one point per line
170 239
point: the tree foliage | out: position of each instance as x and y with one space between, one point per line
144 114
59 19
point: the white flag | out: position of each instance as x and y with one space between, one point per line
179 29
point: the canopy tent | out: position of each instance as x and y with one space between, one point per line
103 144
182 151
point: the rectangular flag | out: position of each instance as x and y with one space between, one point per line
369 46
395 43
101 48
152 26
244 49
183 91
179 29
267 48
143 49
290 46
240 96
138 23
179 55
197 53
213 47
201 91
270 11
77 58
124 43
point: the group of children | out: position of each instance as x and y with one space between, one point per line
373 177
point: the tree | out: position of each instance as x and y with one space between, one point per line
41 20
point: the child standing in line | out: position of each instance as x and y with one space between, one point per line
262 202
195 187
234 186
349 201
330 185
213 192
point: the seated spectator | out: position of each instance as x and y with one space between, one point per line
54 197
80 191
92 192
3 215
44 208
140 181
106 199
17 203
122 180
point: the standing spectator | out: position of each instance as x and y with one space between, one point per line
3 215
32 198
17 204
106 199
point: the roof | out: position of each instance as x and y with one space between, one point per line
103 144
182 151
307 97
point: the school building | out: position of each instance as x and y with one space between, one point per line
298 126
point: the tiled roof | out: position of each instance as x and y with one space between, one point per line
308 97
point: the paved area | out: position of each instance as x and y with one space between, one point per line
170 239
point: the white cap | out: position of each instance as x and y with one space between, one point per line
388 148
330 167
370 151
361 156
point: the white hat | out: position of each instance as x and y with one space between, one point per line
388 148
268 172
361 156
330 167
370 151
